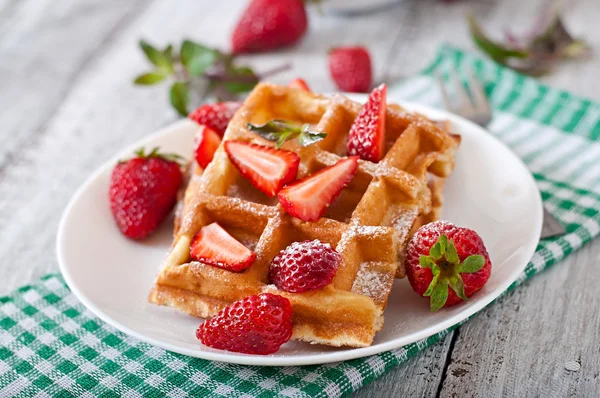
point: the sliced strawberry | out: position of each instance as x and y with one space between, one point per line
207 142
268 169
214 246
299 83
367 134
308 198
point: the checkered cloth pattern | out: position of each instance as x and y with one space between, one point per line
52 346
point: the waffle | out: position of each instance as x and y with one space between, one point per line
368 223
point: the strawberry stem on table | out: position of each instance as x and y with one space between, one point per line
446 267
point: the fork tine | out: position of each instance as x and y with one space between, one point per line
466 107
480 100
445 96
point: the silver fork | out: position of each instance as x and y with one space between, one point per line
476 107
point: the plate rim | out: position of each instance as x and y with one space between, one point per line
292 360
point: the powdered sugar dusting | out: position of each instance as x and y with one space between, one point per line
372 282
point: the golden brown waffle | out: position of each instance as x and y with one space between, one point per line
368 224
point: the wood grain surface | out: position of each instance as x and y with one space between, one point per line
67 104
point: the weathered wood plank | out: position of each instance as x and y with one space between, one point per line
44 46
519 346
418 377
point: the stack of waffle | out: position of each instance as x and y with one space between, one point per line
369 223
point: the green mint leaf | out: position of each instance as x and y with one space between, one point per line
456 283
241 79
156 57
150 78
471 264
439 296
426 261
496 51
197 58
308 137
276 130
451 254
180 98
168 51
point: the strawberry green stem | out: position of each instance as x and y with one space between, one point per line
446 267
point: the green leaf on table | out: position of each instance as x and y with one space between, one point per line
150 78
241 79
168 51
156 57
179 96
496 51
197 58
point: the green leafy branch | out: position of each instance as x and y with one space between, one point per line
537 52
198 69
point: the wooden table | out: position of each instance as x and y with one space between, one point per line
67 104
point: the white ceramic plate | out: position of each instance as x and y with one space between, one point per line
490 191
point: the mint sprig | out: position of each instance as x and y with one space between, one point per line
280 131
198 71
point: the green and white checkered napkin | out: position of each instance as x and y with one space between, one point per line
50 345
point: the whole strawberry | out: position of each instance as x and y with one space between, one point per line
304 266
215 116
350 69
143 191
254 325
269 24
447 263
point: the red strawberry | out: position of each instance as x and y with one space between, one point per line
207 142
216 116
269 24
367 134
254 325
214 246
299 83
308 198
304 266
268 169
456 255
143 190
350 69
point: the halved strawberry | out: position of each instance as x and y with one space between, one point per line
367 134
308 198
268 169
207 142
299 83
214 246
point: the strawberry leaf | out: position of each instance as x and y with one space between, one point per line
439 296
456 283
471 264
156 57
451 254
179 96
426 262
150 78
